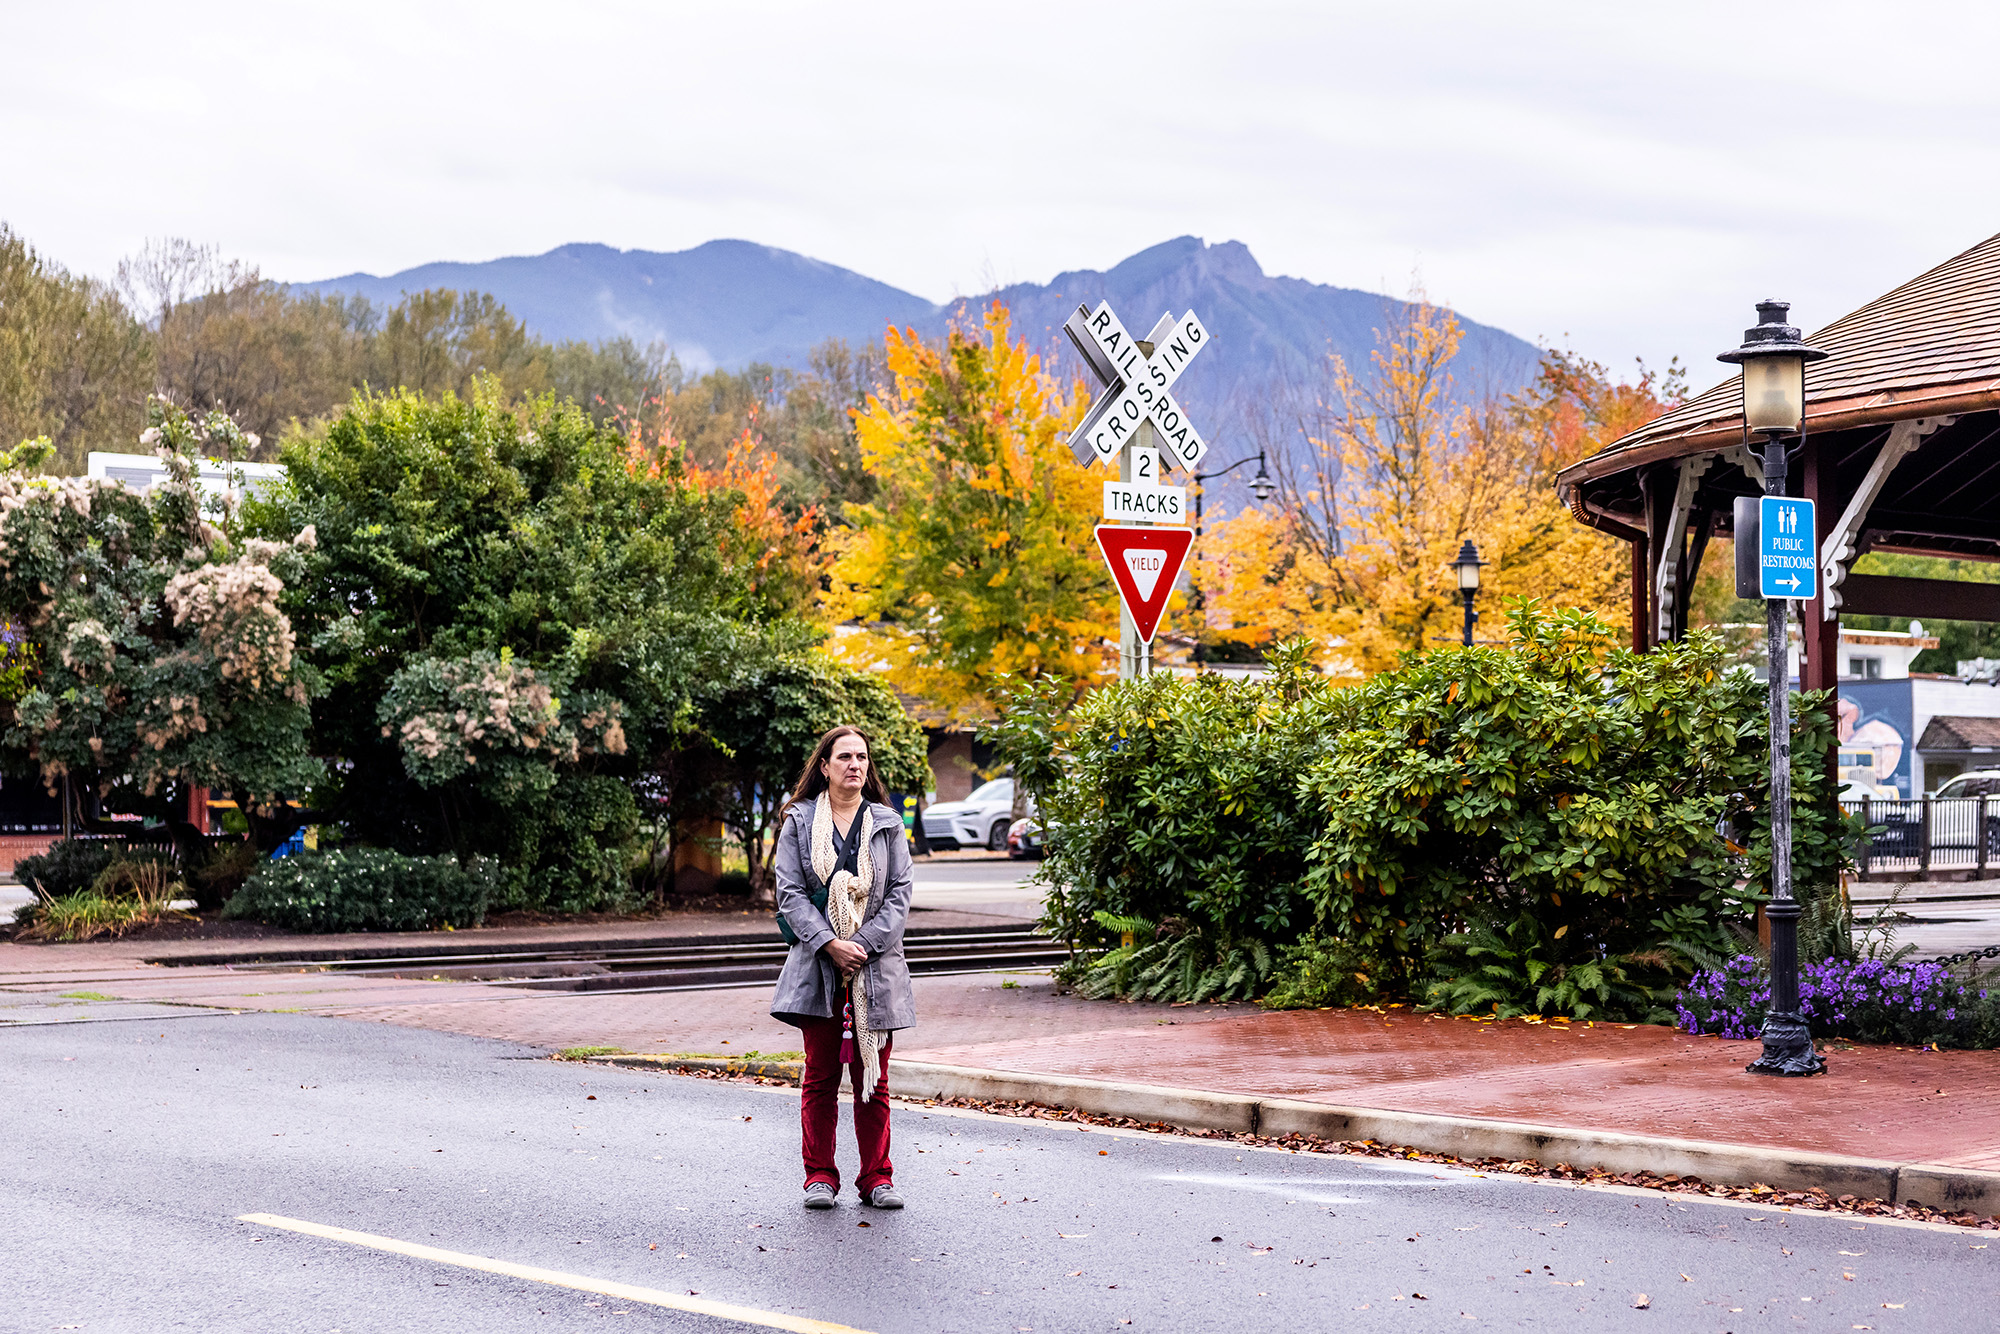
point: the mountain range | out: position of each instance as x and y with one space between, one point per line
733 303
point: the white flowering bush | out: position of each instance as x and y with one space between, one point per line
474 716
163 659
495 737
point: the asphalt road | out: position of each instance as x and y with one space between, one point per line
978 882
133 1146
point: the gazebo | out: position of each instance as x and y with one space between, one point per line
1900 450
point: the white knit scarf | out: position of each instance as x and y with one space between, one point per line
846 906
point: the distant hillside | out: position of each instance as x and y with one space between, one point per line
730 303
726 303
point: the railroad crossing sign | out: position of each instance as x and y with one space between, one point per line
1145 562
1137 386
1787 551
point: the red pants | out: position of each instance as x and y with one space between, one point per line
819 1109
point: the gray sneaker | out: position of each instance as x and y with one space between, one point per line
819 1195
884 1196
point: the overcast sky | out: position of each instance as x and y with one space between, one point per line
1625 179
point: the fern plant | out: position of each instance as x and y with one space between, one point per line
1173 960
1512 970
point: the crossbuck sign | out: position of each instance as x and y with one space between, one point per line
1137 387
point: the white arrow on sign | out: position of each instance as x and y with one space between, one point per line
1136 386
1792 583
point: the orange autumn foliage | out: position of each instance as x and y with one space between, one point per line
783 555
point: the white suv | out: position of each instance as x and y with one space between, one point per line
980 820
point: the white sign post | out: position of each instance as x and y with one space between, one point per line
1136 419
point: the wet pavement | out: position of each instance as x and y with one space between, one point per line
158 1177
1887 1103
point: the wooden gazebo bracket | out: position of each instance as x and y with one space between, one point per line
1842 544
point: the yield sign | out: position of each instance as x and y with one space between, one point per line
1145 562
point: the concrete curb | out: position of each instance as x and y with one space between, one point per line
1953 1189
789 1071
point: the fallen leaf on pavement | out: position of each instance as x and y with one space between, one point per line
1640 1301
1686 1279
1892 1306
1854 1252
1419 1297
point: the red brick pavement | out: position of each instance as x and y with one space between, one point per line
1875 1102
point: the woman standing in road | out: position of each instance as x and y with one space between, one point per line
843 884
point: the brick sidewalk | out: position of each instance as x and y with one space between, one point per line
1875 1102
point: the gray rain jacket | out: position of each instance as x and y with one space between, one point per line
809 987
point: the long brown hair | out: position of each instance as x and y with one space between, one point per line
812 782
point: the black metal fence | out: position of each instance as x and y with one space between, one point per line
1926 835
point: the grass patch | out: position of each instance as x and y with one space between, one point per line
585 1053
87 995
777 1055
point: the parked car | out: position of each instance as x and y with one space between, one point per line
980 821
1953 816
1024 838
1976 783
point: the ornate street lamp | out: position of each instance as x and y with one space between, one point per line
1774 357
1467 565
1261 485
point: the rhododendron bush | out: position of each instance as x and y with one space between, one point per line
162 657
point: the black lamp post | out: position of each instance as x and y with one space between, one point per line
1467 565
1261 485
1774 357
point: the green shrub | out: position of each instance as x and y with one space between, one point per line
223 871
1561 780
366 889
1558 825
70 866
1318 973
1172 801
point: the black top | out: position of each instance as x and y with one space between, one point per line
847 849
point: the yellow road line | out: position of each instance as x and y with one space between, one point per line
556 1278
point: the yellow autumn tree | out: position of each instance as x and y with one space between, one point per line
977 557
1399 472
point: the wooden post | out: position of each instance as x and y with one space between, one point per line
1820 637
1641 630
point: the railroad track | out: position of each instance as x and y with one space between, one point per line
684 967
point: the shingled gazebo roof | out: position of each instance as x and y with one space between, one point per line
1930 348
